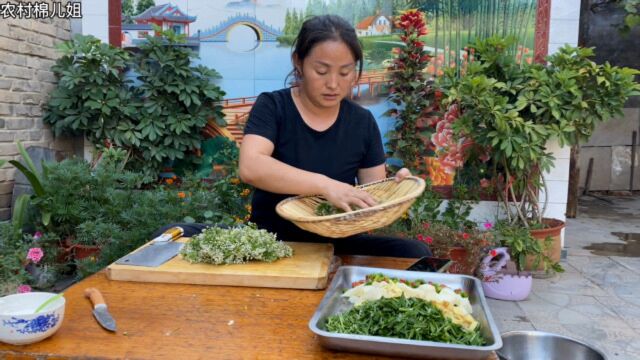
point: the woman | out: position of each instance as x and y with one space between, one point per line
310 139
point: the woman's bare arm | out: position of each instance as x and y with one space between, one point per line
260 169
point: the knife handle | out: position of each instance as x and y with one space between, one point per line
95 296
169 234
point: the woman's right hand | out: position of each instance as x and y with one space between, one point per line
342 195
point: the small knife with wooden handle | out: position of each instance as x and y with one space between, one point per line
100 309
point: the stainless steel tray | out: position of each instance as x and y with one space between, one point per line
334 303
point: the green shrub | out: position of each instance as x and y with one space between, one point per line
157 119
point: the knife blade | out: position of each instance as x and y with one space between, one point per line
160 250
100 310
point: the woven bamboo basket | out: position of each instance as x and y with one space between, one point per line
394 199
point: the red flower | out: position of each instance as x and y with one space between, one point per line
426 226
493 253
429 240
465 236
420 237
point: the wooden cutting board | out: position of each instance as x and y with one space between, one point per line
308 268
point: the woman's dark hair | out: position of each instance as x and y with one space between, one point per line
323 28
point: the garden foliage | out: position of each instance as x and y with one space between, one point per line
157 117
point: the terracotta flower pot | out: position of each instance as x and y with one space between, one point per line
84 251
554 229
445 191
461 263
69 251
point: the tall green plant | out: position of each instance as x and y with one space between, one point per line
21 205
177 100
513 109
411 93
523 247
92 96
573 94
159 119
632 18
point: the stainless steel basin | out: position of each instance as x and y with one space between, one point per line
539 345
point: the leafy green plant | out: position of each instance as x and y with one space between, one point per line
73 194
181 96
237 245
428 209
632 19
13 251
95 232
92 97
424 210
511 110
411 93
573 94
522 246
456 213
156 120
27 260
23 201
90 204
441 238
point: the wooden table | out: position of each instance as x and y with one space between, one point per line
173 321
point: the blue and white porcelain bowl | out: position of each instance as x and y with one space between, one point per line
19 325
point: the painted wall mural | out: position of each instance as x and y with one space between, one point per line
249 42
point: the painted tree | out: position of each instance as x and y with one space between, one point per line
296 22
143 5
287 23
127 11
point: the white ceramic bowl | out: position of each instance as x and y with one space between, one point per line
18 323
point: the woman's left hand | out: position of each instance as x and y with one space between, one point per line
401 174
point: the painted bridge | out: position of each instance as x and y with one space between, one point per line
220 32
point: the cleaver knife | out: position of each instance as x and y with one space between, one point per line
160 250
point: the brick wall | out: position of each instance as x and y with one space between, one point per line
27 52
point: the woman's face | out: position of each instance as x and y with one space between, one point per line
328 73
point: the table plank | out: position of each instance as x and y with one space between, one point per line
173 321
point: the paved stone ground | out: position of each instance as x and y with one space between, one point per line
597 298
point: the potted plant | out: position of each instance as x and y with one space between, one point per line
510 110
503 270
464 246
91 236
412 95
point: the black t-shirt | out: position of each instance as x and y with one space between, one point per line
353 142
